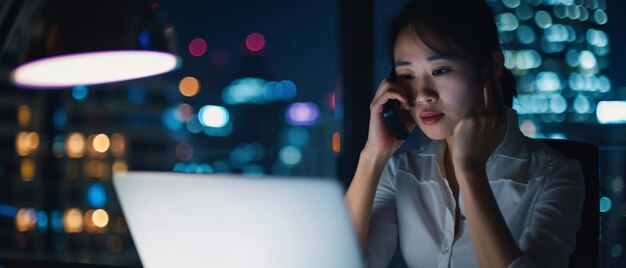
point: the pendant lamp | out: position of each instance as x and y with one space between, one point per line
77 42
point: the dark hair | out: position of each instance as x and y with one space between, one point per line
463 29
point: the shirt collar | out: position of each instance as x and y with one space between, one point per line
514 143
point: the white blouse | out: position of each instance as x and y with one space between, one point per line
540 194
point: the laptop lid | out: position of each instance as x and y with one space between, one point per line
217 220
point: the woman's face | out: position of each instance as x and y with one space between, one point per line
444 89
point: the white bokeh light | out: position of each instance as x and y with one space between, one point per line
92 68
611 112
213 116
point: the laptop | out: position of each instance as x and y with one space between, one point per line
218 220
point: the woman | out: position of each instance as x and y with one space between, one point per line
481 194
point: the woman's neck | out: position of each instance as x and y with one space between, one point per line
449 148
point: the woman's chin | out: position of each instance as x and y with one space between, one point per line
437 135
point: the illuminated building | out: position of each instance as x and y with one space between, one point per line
62 148
559 51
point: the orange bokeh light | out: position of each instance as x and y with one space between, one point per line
73 220
75 145
101 143
189 86
336 142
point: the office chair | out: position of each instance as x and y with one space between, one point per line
587 237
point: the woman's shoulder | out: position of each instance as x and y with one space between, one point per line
552 160
526 160
543 152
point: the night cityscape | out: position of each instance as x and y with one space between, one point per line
260 90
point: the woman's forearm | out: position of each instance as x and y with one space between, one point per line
492 239
360 194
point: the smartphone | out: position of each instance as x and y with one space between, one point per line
393 115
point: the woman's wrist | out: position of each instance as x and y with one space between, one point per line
469 165
373 156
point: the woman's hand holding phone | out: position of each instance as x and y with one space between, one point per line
381 140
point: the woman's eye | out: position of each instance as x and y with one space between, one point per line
440 71
404 77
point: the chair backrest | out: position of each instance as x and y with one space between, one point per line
587 237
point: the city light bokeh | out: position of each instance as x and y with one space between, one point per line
261 93
255 42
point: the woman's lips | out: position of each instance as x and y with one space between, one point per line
430 117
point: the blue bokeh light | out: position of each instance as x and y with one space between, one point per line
42 221
179 167
543 19
558 104
60 118
548 81
587 60
253 170
218 131
582 105
193 124
290 155
56 221
144 39
557 136
604 84
511 3
256 150
239 155
524 11
571 57
80 93
605 204
298 136
506 22
527 59
289 90
58 144
616 251
597 38
525 35
8 211
170 120
258 91
192 168
600 16
550 46
247 152
271 90
204 168
97 195
245 90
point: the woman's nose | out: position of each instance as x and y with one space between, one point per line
426 95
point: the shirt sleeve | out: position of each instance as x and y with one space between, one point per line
383 229
550 237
